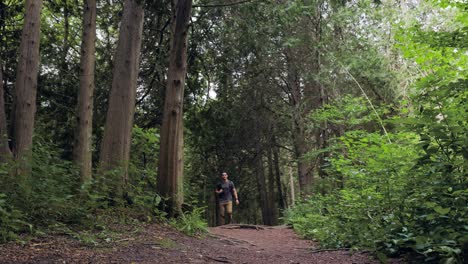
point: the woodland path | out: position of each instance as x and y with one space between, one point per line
161 244
261 244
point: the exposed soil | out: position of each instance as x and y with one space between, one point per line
162 244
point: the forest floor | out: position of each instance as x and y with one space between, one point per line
162 244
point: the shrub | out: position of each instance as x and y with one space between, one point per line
393 200
191 223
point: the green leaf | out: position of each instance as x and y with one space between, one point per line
441 210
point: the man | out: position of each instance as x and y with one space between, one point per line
225 190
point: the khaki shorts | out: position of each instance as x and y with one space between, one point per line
225 207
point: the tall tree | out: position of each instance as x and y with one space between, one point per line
299 130
115 146
272 198
4 148
82 153
170 167
306 92
26 84
262 186
279 187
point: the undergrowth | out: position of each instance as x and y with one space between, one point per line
53 200
398 193
191 223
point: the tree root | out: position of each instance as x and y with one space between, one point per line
218 259
337 249
241 226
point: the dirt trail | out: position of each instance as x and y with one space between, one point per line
161 244
247 244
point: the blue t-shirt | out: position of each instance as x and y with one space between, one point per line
227 187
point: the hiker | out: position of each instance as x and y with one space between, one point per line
225 190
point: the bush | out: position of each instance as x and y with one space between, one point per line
393 200
11 221
53 198
191 223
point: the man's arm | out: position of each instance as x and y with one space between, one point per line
234 193
218 189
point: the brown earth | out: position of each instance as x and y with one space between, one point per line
162 244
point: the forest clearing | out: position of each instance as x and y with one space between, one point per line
132 131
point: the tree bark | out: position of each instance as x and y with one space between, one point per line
26 86
272 206
299 134
291 186
170 176
261 186
82 152
314 91
66 42
279 186
5 152
115 148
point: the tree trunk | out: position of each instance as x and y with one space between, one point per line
170 176
82 152
26 86
322 136
279 186
5 152
291 186
115 148
299 134
66 43
314 91
261 187
272 206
